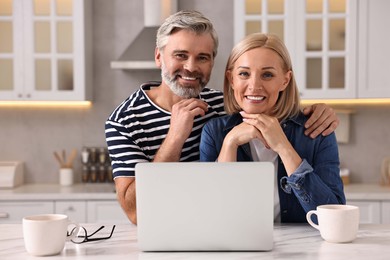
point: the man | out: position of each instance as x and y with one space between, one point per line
162 121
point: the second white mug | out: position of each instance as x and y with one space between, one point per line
336 223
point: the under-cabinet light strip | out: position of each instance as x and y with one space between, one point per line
356 102
62 104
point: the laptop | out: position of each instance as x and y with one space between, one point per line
205 206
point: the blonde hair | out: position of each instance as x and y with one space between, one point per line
287 104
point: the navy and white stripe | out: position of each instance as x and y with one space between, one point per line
137 127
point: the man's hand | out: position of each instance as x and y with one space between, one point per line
182 121
323 120
182 118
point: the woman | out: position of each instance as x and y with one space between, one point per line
264 123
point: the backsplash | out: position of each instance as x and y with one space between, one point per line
32 134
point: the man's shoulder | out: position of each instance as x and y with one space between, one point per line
135 103
137 98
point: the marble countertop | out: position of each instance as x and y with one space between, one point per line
299 241
102 191
81 191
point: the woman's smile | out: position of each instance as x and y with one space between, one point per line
254 98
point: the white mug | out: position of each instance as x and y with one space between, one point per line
46 234
336 223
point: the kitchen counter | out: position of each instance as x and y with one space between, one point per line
367 192
299 241
86 191
80 191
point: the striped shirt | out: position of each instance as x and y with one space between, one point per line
137 127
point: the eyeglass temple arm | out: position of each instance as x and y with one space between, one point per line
100 238
95 231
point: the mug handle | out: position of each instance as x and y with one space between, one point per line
74 231
308 218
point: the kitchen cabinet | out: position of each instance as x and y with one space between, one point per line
373 212
81 211
13 212
374 51
386 212
105 211
370 211
373 201
81 202
75 210
322 38
45 52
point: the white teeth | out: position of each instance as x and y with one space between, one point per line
257 98
188 78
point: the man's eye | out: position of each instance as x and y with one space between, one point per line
180 56
203 58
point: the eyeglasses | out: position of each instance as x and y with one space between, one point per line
83 237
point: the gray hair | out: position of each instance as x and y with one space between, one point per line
186 20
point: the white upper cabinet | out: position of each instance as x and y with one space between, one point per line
44 50
374 49
321 36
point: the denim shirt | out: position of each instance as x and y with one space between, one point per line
315 182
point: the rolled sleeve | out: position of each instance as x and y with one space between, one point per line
297 178
310 189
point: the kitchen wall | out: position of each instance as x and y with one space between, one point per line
33 134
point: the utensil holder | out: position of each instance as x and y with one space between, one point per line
66 176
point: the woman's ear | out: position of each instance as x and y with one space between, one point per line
229 77
287 78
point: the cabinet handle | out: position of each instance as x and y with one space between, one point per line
4 215
70 208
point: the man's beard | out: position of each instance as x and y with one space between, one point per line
185 91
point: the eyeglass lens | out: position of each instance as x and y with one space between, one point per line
83 236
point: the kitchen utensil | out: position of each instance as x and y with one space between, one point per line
385 171
63 162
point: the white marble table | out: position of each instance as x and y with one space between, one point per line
290 242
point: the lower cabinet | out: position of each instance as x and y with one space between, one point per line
105 212
81 211
75 210
373 212
386 212
13 212
370 211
